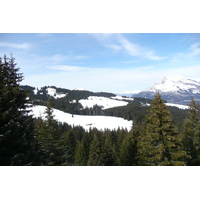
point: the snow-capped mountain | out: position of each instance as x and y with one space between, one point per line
174 89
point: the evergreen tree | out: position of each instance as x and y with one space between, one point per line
49 136
159 142
95 154
82 150
191 134
128 148
80 157
70 147
108 149
17 145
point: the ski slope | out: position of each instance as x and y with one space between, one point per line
87 122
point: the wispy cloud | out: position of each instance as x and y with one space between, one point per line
193 52
66 68
14 45
137 50
107 79
118 42
58 58
195 48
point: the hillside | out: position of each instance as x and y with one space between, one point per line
80 102
174 89
87 122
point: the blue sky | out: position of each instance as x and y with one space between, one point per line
103 62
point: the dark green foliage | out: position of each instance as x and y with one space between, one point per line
16 126
82 149
49 137
96 152
191 134
128 148
108 148
65 104
28 141
159 141
70 146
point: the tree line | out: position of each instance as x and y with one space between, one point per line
154 141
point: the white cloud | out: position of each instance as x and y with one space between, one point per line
137 50
14 45
118 42
114 47
58 58
66 68
195 49
182 57
151 56
107 79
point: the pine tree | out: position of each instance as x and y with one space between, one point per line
108 149
128 148
17 146
82 150
49 136
159 142
191 134
70 147
95 154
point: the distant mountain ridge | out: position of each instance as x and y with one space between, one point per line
174 89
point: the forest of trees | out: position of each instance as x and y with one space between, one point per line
154 140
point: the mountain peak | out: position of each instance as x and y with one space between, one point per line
174 89
175 84
173 78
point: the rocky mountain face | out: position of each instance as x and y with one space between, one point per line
174 89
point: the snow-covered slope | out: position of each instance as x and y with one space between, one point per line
176 84
174 89
52 92
101 101
100 122
183 107
123 98
49 91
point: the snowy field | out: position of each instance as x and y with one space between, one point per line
177 105
183 107
99 122
101 101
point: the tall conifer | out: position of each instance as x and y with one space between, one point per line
49 136
191 134
159 141
16 126
95 154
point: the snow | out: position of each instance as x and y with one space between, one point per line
87 122
73 101
176 84
52 92
101 101
123 98
183 107
36 90
177 105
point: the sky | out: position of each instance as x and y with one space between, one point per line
114 62
109 62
